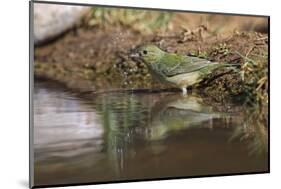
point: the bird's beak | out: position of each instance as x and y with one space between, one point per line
134 55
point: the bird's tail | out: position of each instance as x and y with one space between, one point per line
231 66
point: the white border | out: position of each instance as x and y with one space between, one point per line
14 93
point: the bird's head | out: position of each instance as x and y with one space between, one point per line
148 54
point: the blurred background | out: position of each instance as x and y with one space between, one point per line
52 20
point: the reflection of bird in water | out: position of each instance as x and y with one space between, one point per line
193 103
178 112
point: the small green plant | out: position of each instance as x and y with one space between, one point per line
222 48
203 54
254 74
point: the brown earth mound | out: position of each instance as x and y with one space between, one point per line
96 59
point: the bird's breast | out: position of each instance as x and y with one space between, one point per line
184 80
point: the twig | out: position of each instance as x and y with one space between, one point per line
251 49
250 60
262 38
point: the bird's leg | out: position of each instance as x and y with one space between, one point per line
184 91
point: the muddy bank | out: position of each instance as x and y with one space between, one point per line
96 59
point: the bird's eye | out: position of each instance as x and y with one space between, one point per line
144 52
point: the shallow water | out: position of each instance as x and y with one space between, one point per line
127 136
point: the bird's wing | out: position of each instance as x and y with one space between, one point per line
185 64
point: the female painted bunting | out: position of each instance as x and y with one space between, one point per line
179 70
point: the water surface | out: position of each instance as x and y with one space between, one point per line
123 136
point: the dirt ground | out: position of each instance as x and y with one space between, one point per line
96 59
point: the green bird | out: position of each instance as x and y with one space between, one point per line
179 70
